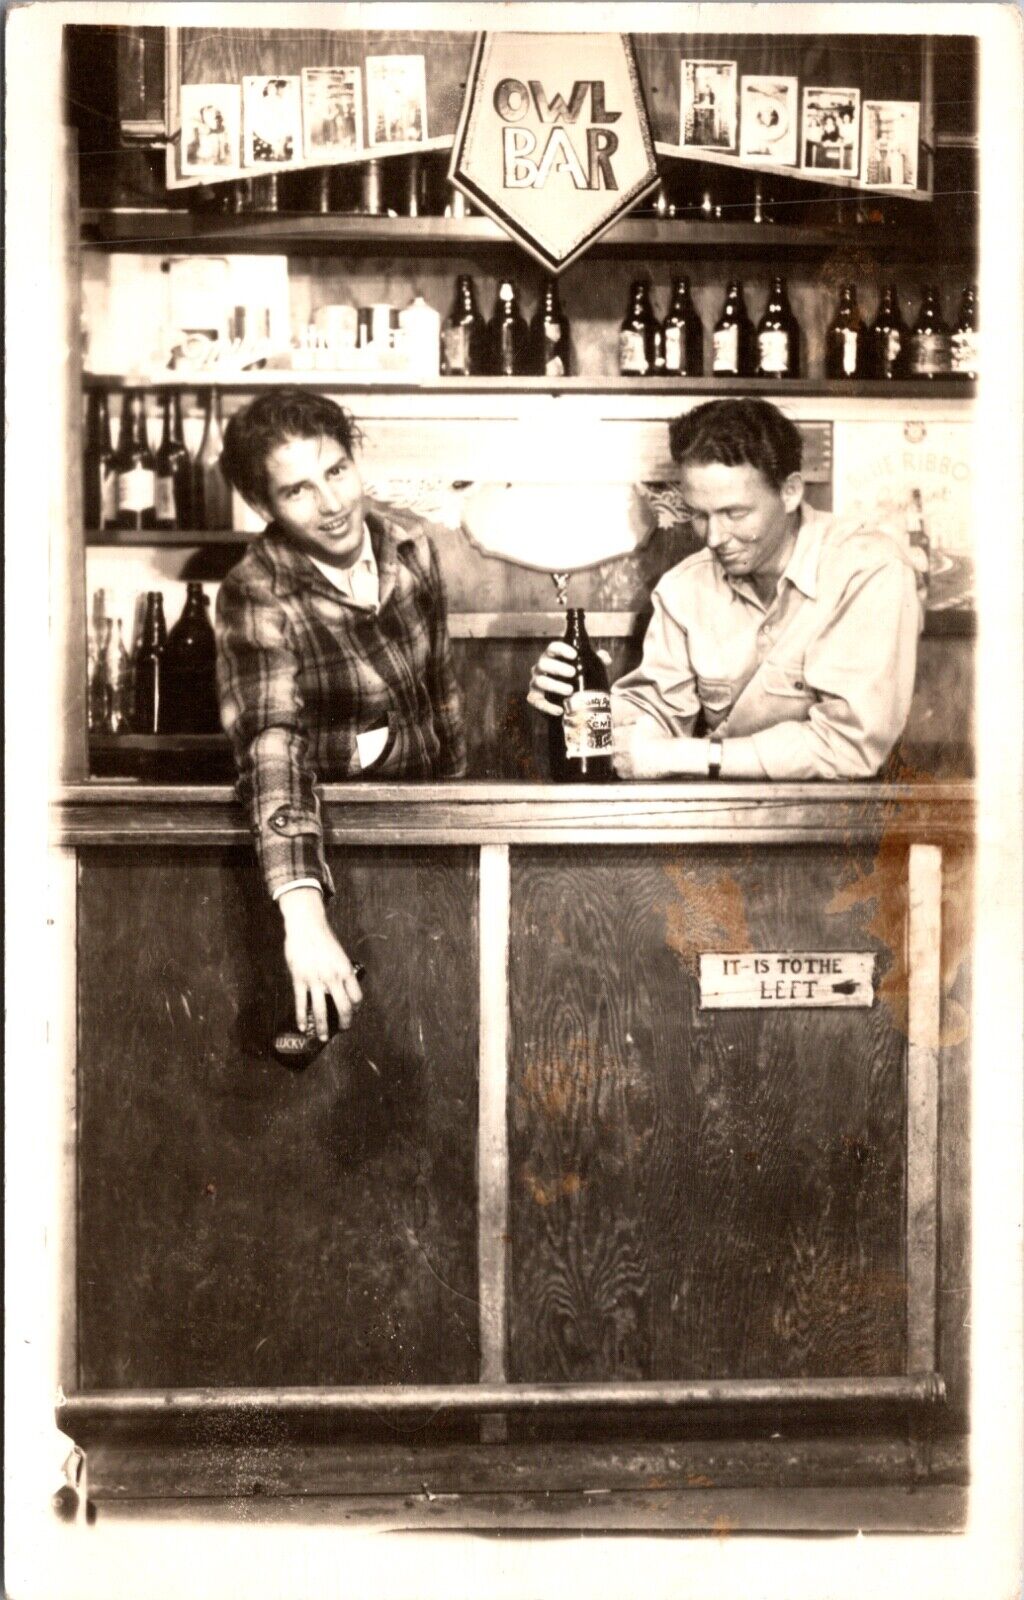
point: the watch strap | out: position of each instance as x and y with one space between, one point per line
715 753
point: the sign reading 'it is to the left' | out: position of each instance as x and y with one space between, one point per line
766 980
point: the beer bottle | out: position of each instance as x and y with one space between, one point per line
463 337
683 334
887 341
99 489
149 666
113 676
917 536
929 342
733 338
549 335
213 496
583 753
964 339
778 336
136 476
189 700
173 471
638 335
844 342
508 334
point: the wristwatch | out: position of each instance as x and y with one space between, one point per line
715 752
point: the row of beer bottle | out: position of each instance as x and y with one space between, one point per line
506 345
167 684
135 488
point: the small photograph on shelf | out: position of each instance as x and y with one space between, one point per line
396 99
831 130
332 110
271 121
768 115
707 113
211 127
889 139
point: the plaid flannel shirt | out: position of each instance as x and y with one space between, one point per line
301 671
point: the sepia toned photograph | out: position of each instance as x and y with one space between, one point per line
830 137
332 110
396 100
708 110
271 121
890 143
211 126
768 119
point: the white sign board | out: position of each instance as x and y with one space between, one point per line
768 980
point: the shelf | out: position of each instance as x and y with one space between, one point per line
860 388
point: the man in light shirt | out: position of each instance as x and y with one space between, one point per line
333 662
786 648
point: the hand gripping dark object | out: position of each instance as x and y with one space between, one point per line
298 1050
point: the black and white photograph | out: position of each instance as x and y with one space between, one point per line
708 111
211 127
830 130
396 100
271 120
332 110
768 119
890 143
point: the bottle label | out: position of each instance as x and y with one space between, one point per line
554 366
507 350
588 724
166 509
964 352
849 341
136 490
891 349
456 351
727 349
773 350
108 496
929 354
632 355
674 347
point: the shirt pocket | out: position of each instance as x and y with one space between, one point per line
785 680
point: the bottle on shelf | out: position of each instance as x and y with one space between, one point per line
778 336
148 667
212 495
135 468
580 741
174 508
99 489
372 189
682 334
887 340
733 338
189 698
917 536
638 334
96 680
507 335
464 335
112 681
964 338
845 340
549 335
930 342
421 330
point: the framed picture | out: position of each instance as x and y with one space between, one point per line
332 110
768 115
396 100
830 130
707 111
889 141
271 121
211 127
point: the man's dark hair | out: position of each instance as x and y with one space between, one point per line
272 419
738 433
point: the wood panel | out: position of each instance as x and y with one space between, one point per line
955 1132
698 1194
241 1223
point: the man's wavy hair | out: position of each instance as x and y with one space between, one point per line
738 433
271 420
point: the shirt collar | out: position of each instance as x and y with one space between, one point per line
801 570
292 569
341 577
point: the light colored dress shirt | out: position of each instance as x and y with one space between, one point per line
820 679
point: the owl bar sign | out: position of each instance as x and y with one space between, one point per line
553 141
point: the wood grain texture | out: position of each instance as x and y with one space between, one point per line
955 1133
696 1194
239 1223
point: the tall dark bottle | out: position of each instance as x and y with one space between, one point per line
212 493
507 334
733 338
638 335
174 482
887 341
549 335
846 341
464 335
682 334
929 342
964 338
99 489
778 336
189 702
136 474
149 667
580 741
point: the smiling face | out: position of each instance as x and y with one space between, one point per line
315 495
748 525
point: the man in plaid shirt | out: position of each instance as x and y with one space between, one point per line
333 661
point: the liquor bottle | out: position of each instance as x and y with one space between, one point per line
638 332
845 341
683 334
507 334
733 338
778 336
113 681
929 342
917 536
887 341
212 495
582 754
136 476
964 338
149 666
189 699
549 335
173 471
99 498
464 335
